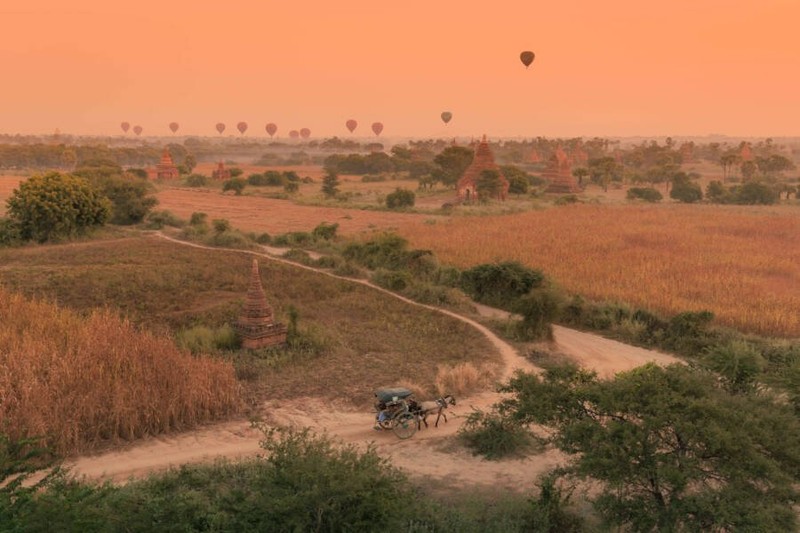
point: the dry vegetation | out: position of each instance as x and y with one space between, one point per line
84 381
740 263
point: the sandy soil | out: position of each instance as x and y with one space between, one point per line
430 453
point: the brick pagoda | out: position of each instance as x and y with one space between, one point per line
559 174
746 154
687 153
256 324
166 169
483 160
221 173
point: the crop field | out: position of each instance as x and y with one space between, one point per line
740 263
368 339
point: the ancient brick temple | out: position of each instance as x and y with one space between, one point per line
221 173
483 160
166 169
559 174
687 153
256 324
746 154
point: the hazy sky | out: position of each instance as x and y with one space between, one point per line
613 67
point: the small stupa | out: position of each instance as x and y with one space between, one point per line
166 169
256 324
221 173
483 160
746 154
559 174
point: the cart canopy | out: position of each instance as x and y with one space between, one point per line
392 395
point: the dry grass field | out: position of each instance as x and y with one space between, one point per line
740 263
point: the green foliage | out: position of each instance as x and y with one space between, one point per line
198 218
549 510
9 233
451 164
400 198
494 436
325 232
161 219
53 206
202 339
686 192
648 194
539 309
236 172
221 224
500 284
489 185
131 198
196 180
567 199
236 185
393 280
330 184
519 181
738 363
672 452
717 193
755 193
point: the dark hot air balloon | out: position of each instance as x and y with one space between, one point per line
446 116
271 129
174 126
294 134
137 130
220 127
305 133
527 58
242 127
125 127
377 128
351 125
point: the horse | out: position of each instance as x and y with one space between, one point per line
434 406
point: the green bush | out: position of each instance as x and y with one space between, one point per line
494 436
648 194
393 280
236 185
755 193
400 198
229 239
161 219
325 231
686 192
567 200
263 238
196 180
202 339
9 233
500 284
539 309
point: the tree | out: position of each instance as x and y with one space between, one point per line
717 193
130 197
727 162
56 205
190 161
684 190
748 169
671 450
489 185
518 180
400 198
451 164
755 193
580 173
603 170
236 185
330 184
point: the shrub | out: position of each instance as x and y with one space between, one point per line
9 233
539 309
739 364
161 219
229 239
236 185
263 238
325 231
755 193
391 279
648 194
494 436
400 199
686 192
198 219
221 224
196 180
567 200
202 339
717 193
500 284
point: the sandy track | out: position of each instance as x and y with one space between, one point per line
429 453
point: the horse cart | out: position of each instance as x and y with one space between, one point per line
396 411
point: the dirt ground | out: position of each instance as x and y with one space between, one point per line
430 454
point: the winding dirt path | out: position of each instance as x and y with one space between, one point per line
430 453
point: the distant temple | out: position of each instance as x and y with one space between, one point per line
221 173
483 160
256 324
559 174
579 157
687 153
166 169
746 154
534 156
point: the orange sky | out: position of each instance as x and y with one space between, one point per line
616 67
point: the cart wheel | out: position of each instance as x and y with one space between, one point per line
386 423
405 425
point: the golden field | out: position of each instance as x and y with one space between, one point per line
741 263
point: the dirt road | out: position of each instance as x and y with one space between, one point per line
429 453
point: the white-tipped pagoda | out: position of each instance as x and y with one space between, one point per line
256 324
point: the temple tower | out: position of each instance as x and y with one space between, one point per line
483 160
256 324
559 174
165 169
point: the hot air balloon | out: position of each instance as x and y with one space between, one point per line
242 127
294 134
305 133
527 58
446 116
137 130
351 125
174 126
271 129
220 127
125 127
377 128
